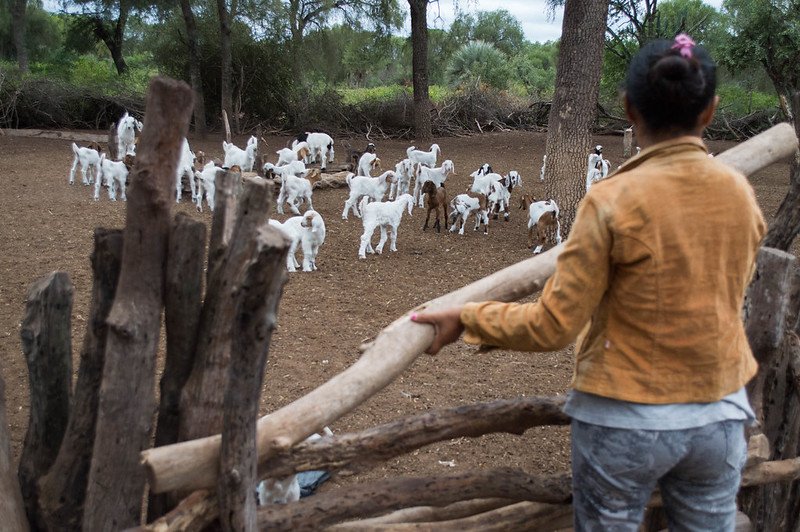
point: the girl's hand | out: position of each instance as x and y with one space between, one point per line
447 326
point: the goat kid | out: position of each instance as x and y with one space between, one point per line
437 201
126 135
463 205
372 188
437 175
425 158
306 231
597 167
185 168
403 172
115 174
89 160
320 146
368 163
207 182
354 155
296 190
299 152
500 194
387 216
241 157
543 217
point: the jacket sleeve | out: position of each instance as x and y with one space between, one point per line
568 300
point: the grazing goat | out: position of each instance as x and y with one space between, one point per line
361 186
320 146
299 152
287 489
307 231
295 190
387 216
543 216
437 201
354 155
185 168
403 171
126 135
463 205
89 159
425 158
241 157
437 175
115 174
207 181
368 163
597 167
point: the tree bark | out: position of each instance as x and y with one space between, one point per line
192 465
226 87
114 38
376 497
18 23
182 304
127 402
569 139
786 224
195 76
12 508
47 344
63 489
425 514
256 315
359 451
419 69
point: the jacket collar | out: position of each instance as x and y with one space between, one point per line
686 143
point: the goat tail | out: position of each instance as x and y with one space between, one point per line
409 150
349 178
362 204
74 148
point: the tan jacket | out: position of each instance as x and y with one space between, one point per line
654 272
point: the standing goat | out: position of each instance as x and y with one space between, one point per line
89 160
244 158
437 175
425 158
295 190
207 180
354 155
185 168
597 167
500 194
115 174
320 146
300 152
373 188
126 135
463 205
543 217
387 216
403 171
368 163
437 201
307 231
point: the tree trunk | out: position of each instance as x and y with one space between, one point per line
195 76
114 39
786 225
569 139
12 508
46 342
419 68
18 20
63 489
127 400
226 86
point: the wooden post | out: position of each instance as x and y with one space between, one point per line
113 145
63 489
360 450
182 304
192 465
227 125
12 509
786 224
46 341
127 401
255 319
627 142
223 219
203 395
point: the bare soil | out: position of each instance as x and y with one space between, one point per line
324 316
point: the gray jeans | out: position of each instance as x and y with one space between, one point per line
698 470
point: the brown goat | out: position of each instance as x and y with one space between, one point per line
437 200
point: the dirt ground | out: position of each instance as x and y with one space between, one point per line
324 316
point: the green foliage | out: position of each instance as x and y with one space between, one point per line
498 27
43 29
479 62
357 96
736 100
534 68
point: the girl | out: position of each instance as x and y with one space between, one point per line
652 277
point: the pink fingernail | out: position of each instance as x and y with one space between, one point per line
414 316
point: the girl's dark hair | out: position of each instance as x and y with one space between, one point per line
670 90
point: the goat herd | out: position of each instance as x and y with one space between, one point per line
489 194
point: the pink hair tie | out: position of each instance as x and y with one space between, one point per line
684 45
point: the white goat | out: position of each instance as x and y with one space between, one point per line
370 187
294 188
300 152
499 198
244 158
597 167
207 180
403 172
463 205
295 168
387 216
287 489
185 168
426 158
542 217
320 146
89 160
367 163
437 175
308 231
126 135
115 174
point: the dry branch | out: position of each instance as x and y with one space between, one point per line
192 465
377 497
116 483
256 308
194 514
419 514
61 135
46 342
358 451
12 508
63 489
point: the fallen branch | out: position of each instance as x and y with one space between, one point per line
420 514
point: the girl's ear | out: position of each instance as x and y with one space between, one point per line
707 115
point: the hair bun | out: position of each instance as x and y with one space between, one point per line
671 67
